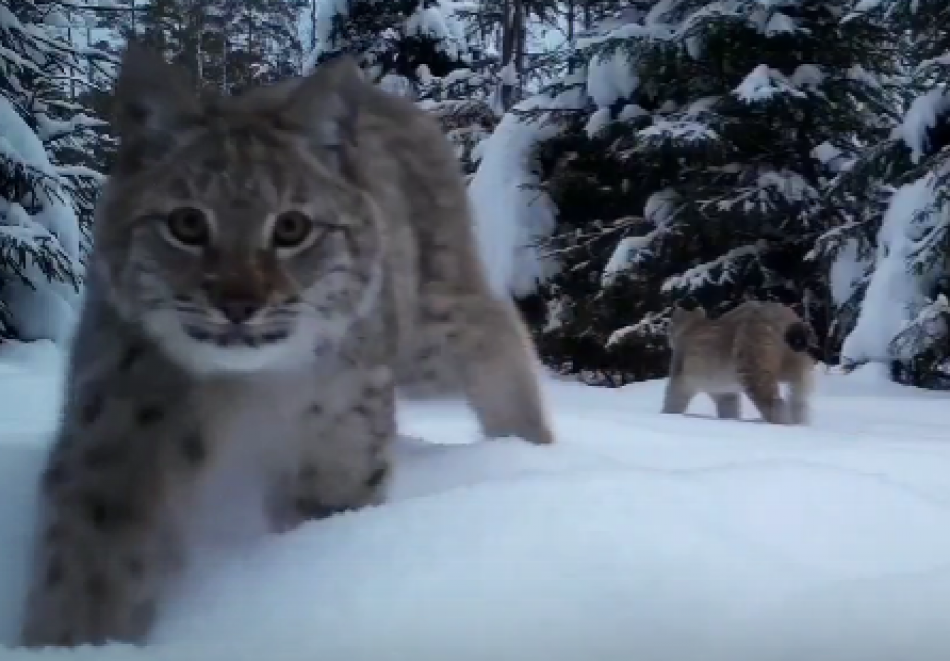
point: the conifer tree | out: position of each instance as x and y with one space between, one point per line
225 44
698 167
393 39
47 187
890 250
431 51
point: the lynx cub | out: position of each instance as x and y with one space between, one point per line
271 267
751 349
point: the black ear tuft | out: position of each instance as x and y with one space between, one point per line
687 303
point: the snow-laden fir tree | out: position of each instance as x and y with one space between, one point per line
890 252
248 42
392 39
46 192
462 102
226 44
697 168
431 51
464 62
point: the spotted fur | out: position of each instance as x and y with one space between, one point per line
752 350
268 269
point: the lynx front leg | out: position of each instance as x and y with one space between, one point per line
344 461
728 405
499 369
677 396
107 541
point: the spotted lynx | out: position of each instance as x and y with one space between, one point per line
750 349
271 268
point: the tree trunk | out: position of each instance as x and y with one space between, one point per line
512 52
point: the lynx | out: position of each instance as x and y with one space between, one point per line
268 268
751 349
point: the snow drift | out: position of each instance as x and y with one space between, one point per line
639 536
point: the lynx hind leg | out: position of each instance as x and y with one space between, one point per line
762 387
499 369
728 405
344 458
758 355
801 386
106 546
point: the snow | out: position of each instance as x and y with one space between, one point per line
439 19
598 120
939 61
46 310
860 74
827 154
718 11
660 208
611 77
639 535
508 75
790 185
807 75
702 105
763 84
717 271
894 294
652 325
927 330
57 19
397 85
920 118
623 256
677 130
683 22
847 271
327 11
867 5
780 23
631 111
49 129
512 217
625 31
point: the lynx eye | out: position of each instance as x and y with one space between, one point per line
189 226
291 230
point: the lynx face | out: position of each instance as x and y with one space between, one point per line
241 244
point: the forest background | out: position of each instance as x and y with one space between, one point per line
622 156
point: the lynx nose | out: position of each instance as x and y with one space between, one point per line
238 310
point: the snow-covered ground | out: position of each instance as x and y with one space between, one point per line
639 537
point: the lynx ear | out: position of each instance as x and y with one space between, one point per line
689 304
152 98
327 102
